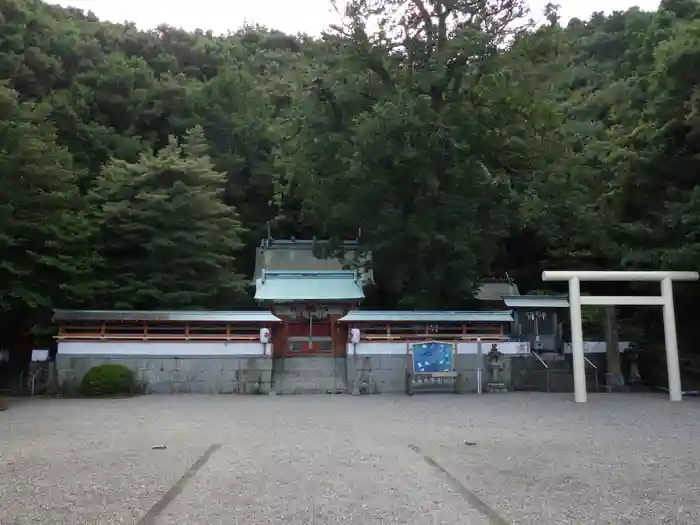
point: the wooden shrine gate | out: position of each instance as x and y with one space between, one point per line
310 331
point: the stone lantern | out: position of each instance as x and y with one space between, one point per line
496 366
633 376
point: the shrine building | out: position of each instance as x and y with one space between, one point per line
298 342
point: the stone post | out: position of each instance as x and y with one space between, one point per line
495 364
351 366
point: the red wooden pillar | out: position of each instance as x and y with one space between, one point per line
279 338
338 336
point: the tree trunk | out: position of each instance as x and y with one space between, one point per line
614 379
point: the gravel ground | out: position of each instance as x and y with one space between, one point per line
537 459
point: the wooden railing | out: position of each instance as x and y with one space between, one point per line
159 332
419 331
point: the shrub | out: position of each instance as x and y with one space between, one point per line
108 380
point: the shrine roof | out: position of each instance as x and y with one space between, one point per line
165 315
537 301
300 244
496 290
428 316
309 285
299 255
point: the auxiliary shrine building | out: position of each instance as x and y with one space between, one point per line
298 342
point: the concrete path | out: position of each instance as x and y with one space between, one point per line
537 459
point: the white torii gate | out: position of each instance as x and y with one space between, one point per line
665 299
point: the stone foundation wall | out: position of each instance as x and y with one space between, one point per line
177 375
309 375
387 373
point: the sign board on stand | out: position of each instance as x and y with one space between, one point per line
431 363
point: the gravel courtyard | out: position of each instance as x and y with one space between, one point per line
430 459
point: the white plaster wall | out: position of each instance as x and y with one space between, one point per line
150 348
596 347
369 348
507 348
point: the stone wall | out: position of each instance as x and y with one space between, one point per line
387 372
176 375
309 375
172 368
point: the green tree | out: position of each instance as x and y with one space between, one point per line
44 226
167 238
418 136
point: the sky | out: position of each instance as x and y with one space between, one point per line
290 16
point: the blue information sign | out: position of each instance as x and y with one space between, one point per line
433 357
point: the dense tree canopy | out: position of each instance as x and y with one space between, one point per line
141 168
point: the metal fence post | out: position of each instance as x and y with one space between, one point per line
479 365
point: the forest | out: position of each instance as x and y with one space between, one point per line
141 169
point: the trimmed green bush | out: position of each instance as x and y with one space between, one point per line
108 380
